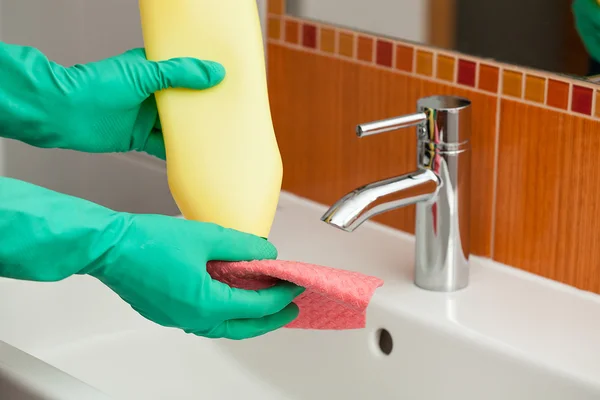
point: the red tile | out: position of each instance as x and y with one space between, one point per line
309 36
581 101
466 72
384 53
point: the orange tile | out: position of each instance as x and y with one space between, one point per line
597 103
558 94
512 84
365 48
346 44
445 68
547 194
424 63
404 57
292 34
276 6
274 28
535 88
488 78
327 40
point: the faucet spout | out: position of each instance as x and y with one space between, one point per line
349 212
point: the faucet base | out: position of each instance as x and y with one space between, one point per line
442 286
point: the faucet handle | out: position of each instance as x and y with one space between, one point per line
390 124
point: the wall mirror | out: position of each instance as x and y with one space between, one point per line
538 34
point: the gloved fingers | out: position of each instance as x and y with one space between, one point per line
239 329
274 310
191 73
183 72
225 244
234 303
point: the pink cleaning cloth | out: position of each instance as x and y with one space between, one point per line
334 298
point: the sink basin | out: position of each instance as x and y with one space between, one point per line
509 335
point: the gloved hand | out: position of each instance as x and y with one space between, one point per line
155 263
587 23
101 107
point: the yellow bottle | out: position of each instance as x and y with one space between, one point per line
223 162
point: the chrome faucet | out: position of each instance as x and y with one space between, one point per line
440 188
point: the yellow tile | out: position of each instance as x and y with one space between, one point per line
327 40
512 83
274 28
424 63
535 88
445 68
346 44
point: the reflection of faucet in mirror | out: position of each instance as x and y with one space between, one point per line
440 188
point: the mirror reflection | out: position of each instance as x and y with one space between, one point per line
560 36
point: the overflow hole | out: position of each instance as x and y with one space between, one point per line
384 341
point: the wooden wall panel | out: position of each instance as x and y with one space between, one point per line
549 194
316 103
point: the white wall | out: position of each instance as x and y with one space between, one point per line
79 31
407 19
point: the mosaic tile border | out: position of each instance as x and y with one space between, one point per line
525 85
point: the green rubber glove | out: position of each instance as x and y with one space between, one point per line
101 107
587 23
155 263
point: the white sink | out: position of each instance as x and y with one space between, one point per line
509 335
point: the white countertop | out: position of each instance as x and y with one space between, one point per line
510 334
